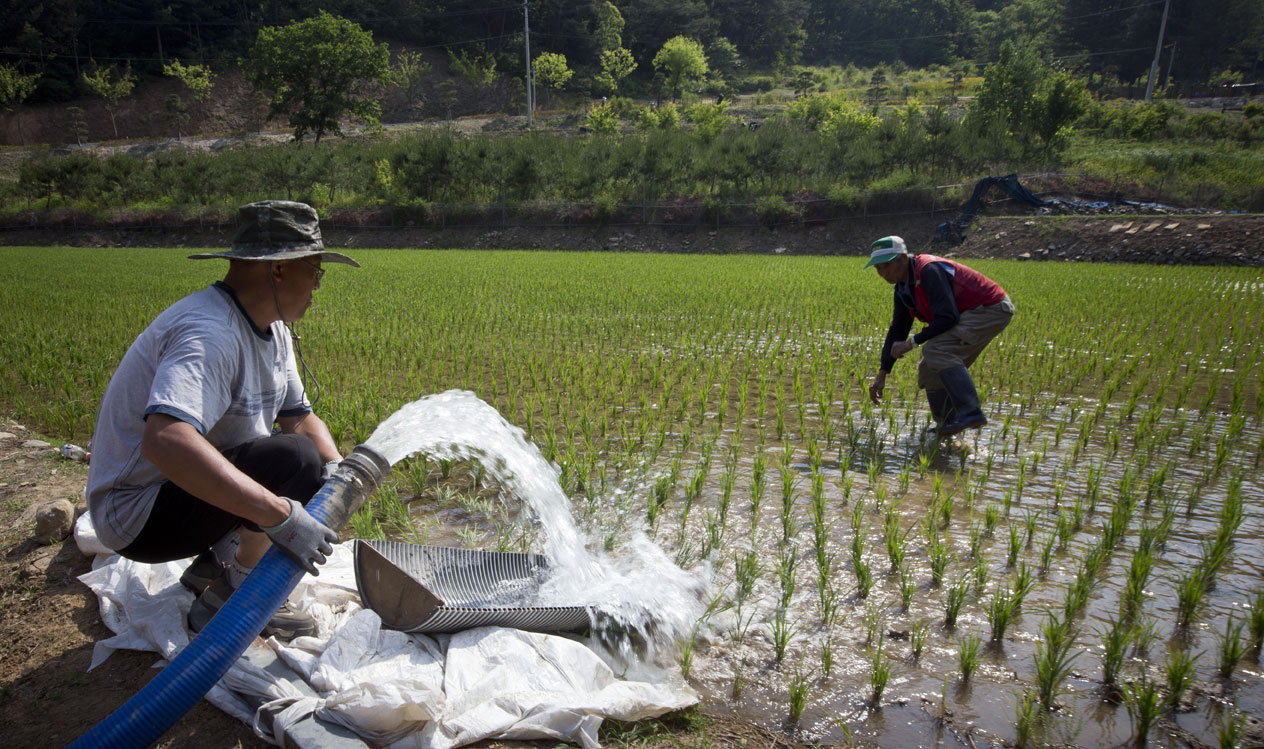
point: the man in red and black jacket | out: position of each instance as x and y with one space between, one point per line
963 311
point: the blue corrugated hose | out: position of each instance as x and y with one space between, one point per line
174 691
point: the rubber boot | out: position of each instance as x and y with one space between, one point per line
965 400
941 409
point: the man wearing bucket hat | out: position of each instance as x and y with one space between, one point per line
963 311
185 460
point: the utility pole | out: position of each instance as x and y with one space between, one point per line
526 27
1171 60
1158 49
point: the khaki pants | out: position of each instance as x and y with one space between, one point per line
961 344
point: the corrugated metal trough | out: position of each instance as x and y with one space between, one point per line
435 589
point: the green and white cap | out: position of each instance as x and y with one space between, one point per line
887 248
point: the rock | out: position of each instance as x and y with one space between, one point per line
35 444
1024 256
5 436
54 521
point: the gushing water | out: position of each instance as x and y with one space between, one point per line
641 592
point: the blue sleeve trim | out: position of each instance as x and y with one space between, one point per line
294 412
176 413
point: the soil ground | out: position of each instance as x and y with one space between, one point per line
49 622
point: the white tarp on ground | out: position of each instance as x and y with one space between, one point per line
390 688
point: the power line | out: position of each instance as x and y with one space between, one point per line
249 23
146 58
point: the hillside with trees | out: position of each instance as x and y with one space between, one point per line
651 113
1109 42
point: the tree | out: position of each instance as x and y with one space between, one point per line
709 120
177 113
1033 100
197 78
479 70
314 70
609 28
15 88
1030 23
616 64
681 62
111 85
409 73
551 70
805 81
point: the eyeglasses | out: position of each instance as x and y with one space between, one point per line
320 272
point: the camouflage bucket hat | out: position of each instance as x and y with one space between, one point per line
277 230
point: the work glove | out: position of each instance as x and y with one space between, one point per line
302 537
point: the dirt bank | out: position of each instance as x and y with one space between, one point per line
1226 239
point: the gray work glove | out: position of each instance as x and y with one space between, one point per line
302 537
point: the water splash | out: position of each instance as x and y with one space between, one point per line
648 603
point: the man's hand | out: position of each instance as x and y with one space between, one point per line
901 348
302 537
879 384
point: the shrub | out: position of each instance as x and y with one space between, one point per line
773 210
844 196
1206 125
602 118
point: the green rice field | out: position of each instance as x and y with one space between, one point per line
1086 570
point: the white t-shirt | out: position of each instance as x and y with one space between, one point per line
204 362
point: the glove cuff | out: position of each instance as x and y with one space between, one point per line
294 508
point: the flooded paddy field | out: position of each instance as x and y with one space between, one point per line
1085 569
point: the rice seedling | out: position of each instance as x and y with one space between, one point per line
968 650
1145 706
1053 659
1133 595
1115 641
894 540
1026 718
739 682
827 652
1029 528
799 689
1232 647
976 540
782 631
787 570
1232 730
940 556
1256 619
1001 610
1015 546
875 624
917 638
880 672
1023 583
979 573
1189 597
991 516
908 587
954 599
365 525
1179 674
